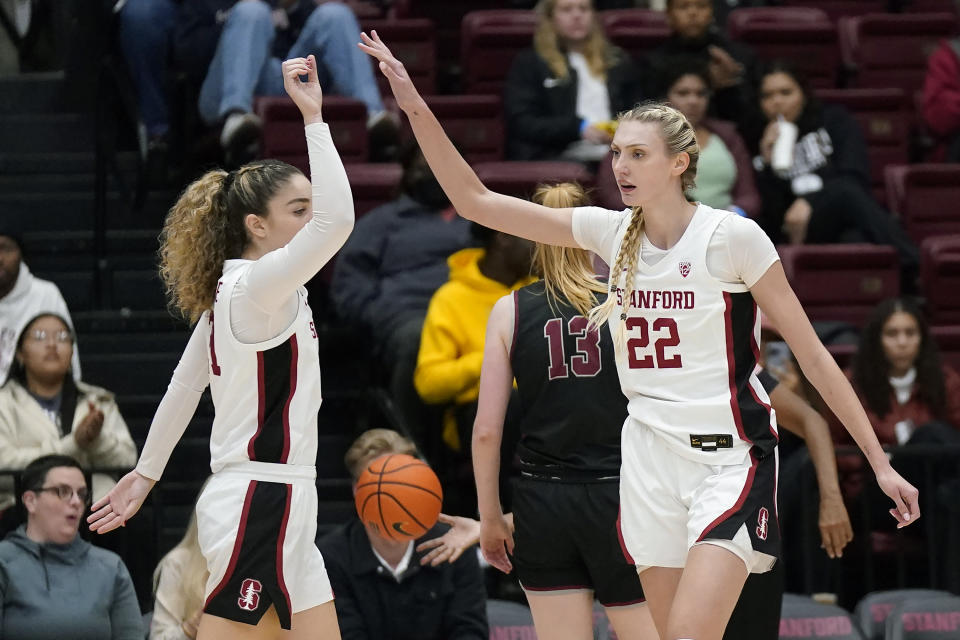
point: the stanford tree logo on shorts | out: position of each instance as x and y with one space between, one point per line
762 518
249 599
685 268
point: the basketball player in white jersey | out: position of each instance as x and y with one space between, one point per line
698 476
236 250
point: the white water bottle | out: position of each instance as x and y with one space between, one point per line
781 158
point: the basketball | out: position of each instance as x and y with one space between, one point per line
399 496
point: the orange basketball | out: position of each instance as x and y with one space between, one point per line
399 496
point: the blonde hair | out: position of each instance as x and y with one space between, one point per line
679 137
193 581
600 54
373 444
206 226
567 272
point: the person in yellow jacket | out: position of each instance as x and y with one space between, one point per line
451 345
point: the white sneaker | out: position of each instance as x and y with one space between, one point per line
240 130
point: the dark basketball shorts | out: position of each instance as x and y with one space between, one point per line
565 539
256 523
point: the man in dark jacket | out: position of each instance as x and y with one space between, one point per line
382 591
391 265
694 32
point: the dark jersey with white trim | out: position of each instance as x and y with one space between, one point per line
570 398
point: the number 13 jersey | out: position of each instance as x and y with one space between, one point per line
687 366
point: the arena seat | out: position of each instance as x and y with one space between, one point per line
925 619
940 278
872 611
925 196
803 35
841 282
884 124
520 178
282 136
413 41
636 31
473 122
489 42
510 620
807 619
886 50
840 8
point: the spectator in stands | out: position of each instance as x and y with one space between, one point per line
383 590
725 171
53 584
22 297
44 411
178 585
909 394
730 64
941 99
561 95
824 196
391 265
454 330
239 45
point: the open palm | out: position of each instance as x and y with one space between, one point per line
400 82
124 500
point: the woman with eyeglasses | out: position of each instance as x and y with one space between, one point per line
43 411
53 584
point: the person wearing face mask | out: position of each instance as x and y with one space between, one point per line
823 194
54 584
389 268
44 411
562 93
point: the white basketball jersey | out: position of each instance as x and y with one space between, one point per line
267 394
689 366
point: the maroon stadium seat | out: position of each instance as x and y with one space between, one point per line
473 122
637 31
948 340
520 178
927 197
887 50
489 42
930 6
884 124
841 282
840 8
803 35
940 278
413 42
282 135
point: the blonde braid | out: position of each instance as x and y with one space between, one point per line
626 261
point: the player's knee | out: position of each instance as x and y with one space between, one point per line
251 11
331 15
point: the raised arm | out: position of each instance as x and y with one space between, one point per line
469 197
276 276
496 381
174 413
777 300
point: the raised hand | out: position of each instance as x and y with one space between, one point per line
400 83
308 95
124 500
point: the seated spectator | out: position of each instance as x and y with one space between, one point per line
395 259
178 586
562 93
54 584
824 197
240 45
725 170
454 329
909 394
22 297
44 411
383 590
730 64
941 100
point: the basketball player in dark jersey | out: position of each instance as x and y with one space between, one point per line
565 502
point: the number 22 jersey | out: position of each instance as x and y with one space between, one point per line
688 365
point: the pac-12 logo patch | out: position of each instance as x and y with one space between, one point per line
249 594
762 519
685 268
